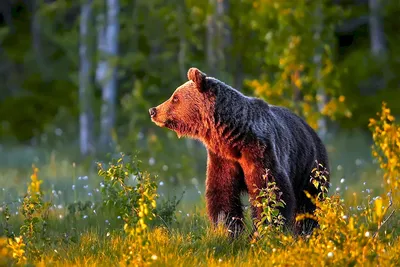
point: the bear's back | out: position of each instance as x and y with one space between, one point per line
294 136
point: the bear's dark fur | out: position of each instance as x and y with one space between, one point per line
244 137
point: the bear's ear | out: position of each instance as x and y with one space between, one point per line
198 77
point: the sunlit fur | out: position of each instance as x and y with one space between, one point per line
183 116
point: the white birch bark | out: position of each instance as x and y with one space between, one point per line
85 86
377 34
106 73
219 38
211 41
322 98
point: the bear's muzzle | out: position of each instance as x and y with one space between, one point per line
152 112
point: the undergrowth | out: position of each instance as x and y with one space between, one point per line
133 225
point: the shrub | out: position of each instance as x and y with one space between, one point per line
386 149
135 203
33 236
269 200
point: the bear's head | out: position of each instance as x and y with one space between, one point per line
190 108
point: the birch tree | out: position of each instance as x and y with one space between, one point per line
85 86
106 73
182 42
40 57
377 34
224 32
322 97
211 55
218 37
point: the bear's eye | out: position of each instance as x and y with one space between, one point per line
175 99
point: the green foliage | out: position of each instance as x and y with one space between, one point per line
35 212
270 202
129 192
166 211
319 178
6 221
38 77
136 204
299 58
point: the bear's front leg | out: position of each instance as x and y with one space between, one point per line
225 181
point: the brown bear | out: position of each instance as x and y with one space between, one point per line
244 137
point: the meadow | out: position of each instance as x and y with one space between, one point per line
59 213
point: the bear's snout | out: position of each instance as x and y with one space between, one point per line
152 112
157 116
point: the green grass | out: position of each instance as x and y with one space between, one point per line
192 242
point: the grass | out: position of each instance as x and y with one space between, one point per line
194 245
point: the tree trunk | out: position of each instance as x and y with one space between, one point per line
322 98
377 34
85 86
106 74
211 46
40 56
182 43
219 38
224 35
238 73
